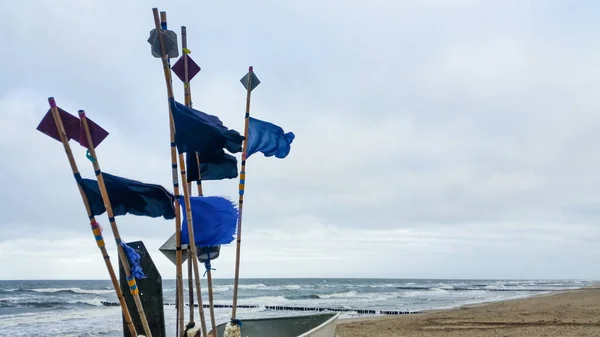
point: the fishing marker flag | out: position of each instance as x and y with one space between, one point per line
170 40
196 131
268 138
215 220
96 131
70 123
129 196
179 68
254 81
217 167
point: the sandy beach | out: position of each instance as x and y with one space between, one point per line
568 313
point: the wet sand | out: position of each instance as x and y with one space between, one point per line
568 313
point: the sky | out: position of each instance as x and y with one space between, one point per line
434 138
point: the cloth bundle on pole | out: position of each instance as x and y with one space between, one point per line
130 197
63 133
134 260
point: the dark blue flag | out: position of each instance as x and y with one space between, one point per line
212 167
268 138
215 220
129 196
198 131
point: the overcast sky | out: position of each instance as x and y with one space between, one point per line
434 138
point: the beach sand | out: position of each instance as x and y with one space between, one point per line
568 313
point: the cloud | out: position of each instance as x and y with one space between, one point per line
434 138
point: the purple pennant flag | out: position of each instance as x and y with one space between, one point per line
96 131
179 69
70 123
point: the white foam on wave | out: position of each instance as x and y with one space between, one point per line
73 290
348 294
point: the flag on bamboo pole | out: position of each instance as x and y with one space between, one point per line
170 41
268 138
212 167
179 67
129 197
196 131
70 123
96 131
73 128
215 220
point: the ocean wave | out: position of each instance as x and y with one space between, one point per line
29 303
347 294
71 291
303 297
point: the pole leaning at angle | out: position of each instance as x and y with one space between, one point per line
250 81
175 177
95 226
188 102
130 279
192 245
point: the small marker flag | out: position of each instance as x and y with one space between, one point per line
179 68
96 131
70 123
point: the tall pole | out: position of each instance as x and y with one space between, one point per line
95 226
241 192
192 244
188 102
111 217
175 177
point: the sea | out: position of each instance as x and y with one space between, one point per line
75 307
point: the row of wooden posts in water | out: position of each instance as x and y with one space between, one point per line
291 308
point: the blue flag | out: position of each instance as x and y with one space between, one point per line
268 138
198 131
129 196
217 167
215 220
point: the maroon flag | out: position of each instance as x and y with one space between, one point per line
96 131
70 123
179 69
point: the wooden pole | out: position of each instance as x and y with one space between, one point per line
95 227
174 174
241 191
188 102
192 244
130 279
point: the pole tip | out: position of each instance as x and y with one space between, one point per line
52 102
251 68
81 113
